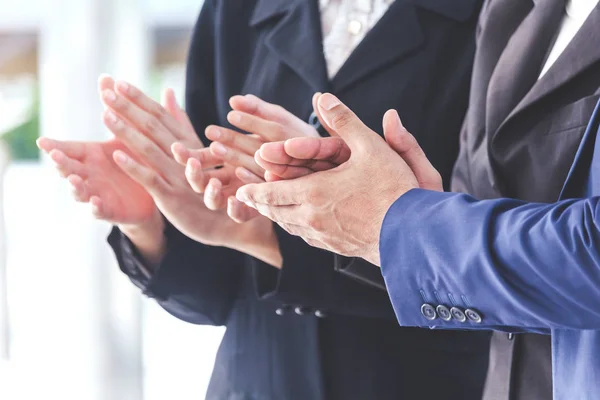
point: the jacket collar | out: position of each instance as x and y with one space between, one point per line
267 9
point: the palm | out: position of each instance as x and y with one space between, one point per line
123 199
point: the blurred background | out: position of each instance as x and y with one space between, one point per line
71 326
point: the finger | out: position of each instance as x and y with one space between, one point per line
274 193
246 176
315 102
98 210
146 177
299 150
105 82
80 191
75 150
169 101
154 112
213 195
236 140
226 175
195 176
332 149
271 177
408 148
283 215
295 168
139 119
67 166
267 130
182 154
142 146
283 171
239 212
235 157
344 122
253 105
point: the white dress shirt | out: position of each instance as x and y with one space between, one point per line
345 23
576 12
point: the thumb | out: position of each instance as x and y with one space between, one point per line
407 147
344 122
169 102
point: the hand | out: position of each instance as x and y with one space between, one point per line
149 132
265 122
342 209
302 156
96 179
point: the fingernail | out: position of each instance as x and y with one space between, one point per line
234 117
111 117
122 86
210 191
121 157
190 169
218 148
242 196
109 96
245 173
328 101
399 120
215 133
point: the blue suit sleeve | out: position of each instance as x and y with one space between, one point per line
521 266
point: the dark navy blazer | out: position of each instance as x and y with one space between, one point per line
516 266
337 338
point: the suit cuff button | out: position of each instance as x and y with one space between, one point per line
473 315
282 310
428 312
444 312
458 314
302 310
320 314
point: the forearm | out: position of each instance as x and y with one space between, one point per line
520 264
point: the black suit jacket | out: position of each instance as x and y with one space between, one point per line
337 338
519 140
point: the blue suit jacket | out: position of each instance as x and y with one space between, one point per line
518 266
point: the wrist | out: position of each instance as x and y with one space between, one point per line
148 237
258 239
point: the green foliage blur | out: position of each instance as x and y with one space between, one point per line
21 139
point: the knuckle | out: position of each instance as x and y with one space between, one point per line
155 182
147 148
314 222
315 196
151 125
160 112
342 119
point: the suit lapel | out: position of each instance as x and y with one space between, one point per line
581 54
399 25
295 36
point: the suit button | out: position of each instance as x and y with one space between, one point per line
511 336
282 310
314 120
473 315
428 311
458 314
320 314
444 312
302 310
